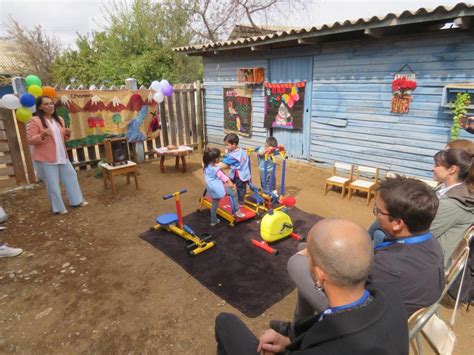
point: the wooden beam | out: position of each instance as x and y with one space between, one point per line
374 32
464 23
310 40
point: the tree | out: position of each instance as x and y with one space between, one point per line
212 20
36 51
135 42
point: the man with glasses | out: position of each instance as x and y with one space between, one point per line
410 259
361 319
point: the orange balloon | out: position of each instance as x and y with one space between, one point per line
49 91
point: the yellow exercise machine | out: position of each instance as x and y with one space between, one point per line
275 225
173 222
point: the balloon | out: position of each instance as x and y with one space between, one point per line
27 100
33 80
164 83
49 91
32 108
35 90
167 90
155 86
286 98
11 102
23 114
158 97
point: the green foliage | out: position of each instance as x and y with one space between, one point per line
136 42
459 110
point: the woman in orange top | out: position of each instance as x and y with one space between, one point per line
47 133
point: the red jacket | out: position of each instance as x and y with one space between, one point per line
44 150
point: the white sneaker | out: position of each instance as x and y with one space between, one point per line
215 223
83 203
62 212
6 252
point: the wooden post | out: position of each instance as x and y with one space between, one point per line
200 121
26 152
13 146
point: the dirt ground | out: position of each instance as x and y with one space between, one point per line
87 284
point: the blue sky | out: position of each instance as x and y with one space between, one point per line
63 18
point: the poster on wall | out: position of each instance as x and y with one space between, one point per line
284 105
238 111
94 115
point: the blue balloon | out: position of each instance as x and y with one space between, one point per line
27 100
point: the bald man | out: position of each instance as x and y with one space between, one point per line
358 320
411 260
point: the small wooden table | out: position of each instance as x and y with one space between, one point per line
109 171
180 153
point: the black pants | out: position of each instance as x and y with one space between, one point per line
233 337
241 188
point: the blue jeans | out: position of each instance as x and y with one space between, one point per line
376 233
241 188
53 175
215 203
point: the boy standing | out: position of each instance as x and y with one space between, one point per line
265 179
238 162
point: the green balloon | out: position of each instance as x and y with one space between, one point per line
33 80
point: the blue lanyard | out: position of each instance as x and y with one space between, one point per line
411 240
360 301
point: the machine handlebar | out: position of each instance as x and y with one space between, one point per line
168 196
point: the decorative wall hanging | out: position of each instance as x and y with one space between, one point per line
251 75
284 105
403 85
238 111
94 115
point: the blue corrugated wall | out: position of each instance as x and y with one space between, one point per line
352 81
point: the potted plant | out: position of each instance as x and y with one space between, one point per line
460 119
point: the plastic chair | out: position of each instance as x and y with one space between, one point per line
340 179
367 184
460 258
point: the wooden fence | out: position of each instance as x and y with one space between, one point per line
181 124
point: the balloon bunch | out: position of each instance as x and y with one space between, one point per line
161 88
24 105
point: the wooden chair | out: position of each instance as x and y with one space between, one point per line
340 179
368 183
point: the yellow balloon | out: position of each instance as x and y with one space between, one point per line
23 114
35 90
286 98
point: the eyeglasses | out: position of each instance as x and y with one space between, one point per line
376 211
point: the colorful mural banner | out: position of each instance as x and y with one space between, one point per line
284 105
238 111
94 115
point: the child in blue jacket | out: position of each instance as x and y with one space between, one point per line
238 162
218 184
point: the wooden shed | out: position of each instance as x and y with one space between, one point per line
349 68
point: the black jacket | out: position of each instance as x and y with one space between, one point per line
378 328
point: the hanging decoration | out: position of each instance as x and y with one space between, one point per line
403 85
284 105
238 111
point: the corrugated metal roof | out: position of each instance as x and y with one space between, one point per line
389 20
7 58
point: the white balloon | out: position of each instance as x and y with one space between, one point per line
155 86
11 102
32 108
164 83
158 97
